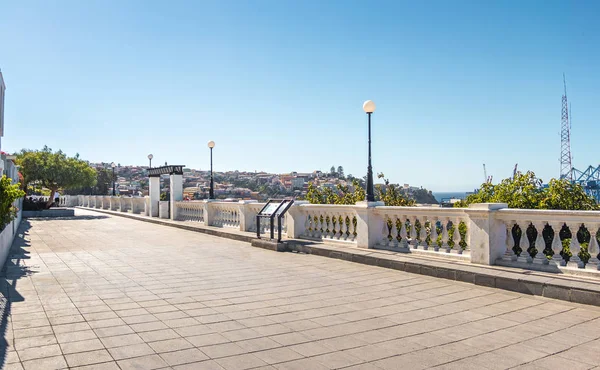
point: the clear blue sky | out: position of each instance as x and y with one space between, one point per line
279 85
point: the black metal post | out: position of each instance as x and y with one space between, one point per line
258 226
370 191
114 183
211 194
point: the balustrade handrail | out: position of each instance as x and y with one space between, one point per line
419 211
329 206
505 213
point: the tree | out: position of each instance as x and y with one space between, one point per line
55 170
342 195
525 190
340 172
390 194
9 192
332 171
104 180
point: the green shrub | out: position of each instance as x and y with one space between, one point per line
9 192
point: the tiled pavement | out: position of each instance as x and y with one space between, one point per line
101 292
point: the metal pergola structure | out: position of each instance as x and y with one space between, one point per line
589 179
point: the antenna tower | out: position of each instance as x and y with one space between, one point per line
565 139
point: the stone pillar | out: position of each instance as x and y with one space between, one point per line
163 207
487 235
176 193
245 214
154 193
209 212
369 224
296 220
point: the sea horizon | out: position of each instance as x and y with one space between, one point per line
439 195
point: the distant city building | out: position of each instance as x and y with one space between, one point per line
298 182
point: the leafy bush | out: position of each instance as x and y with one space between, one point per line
9 192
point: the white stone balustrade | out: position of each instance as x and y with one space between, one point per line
189 211
548 249
489 231
328 222
431 229
138 205
226 214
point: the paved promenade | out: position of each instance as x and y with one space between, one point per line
103 292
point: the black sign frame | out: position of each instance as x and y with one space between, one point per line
282 208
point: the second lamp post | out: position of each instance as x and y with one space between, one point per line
211 194
113 165
369 108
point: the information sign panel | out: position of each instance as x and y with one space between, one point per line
270 209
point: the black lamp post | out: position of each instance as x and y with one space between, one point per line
369 108
150 156
113 165
211 194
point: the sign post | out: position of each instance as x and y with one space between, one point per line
275 208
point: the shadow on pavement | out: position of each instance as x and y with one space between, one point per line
72 218
13 270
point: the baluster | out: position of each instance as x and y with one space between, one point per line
341 222
413 233
524 257
334 226
540 244
393 232
593 248
434 234
333 221
325 226
344 231
306 226
403 233
509 255
423 235
445 236
385 231
456 237
318 231
353 232
467 238
320 224
575 247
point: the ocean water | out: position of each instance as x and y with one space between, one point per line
452 194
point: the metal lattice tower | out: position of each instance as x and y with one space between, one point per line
565 139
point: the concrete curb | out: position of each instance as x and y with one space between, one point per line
566 288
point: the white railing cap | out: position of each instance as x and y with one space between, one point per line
548 215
